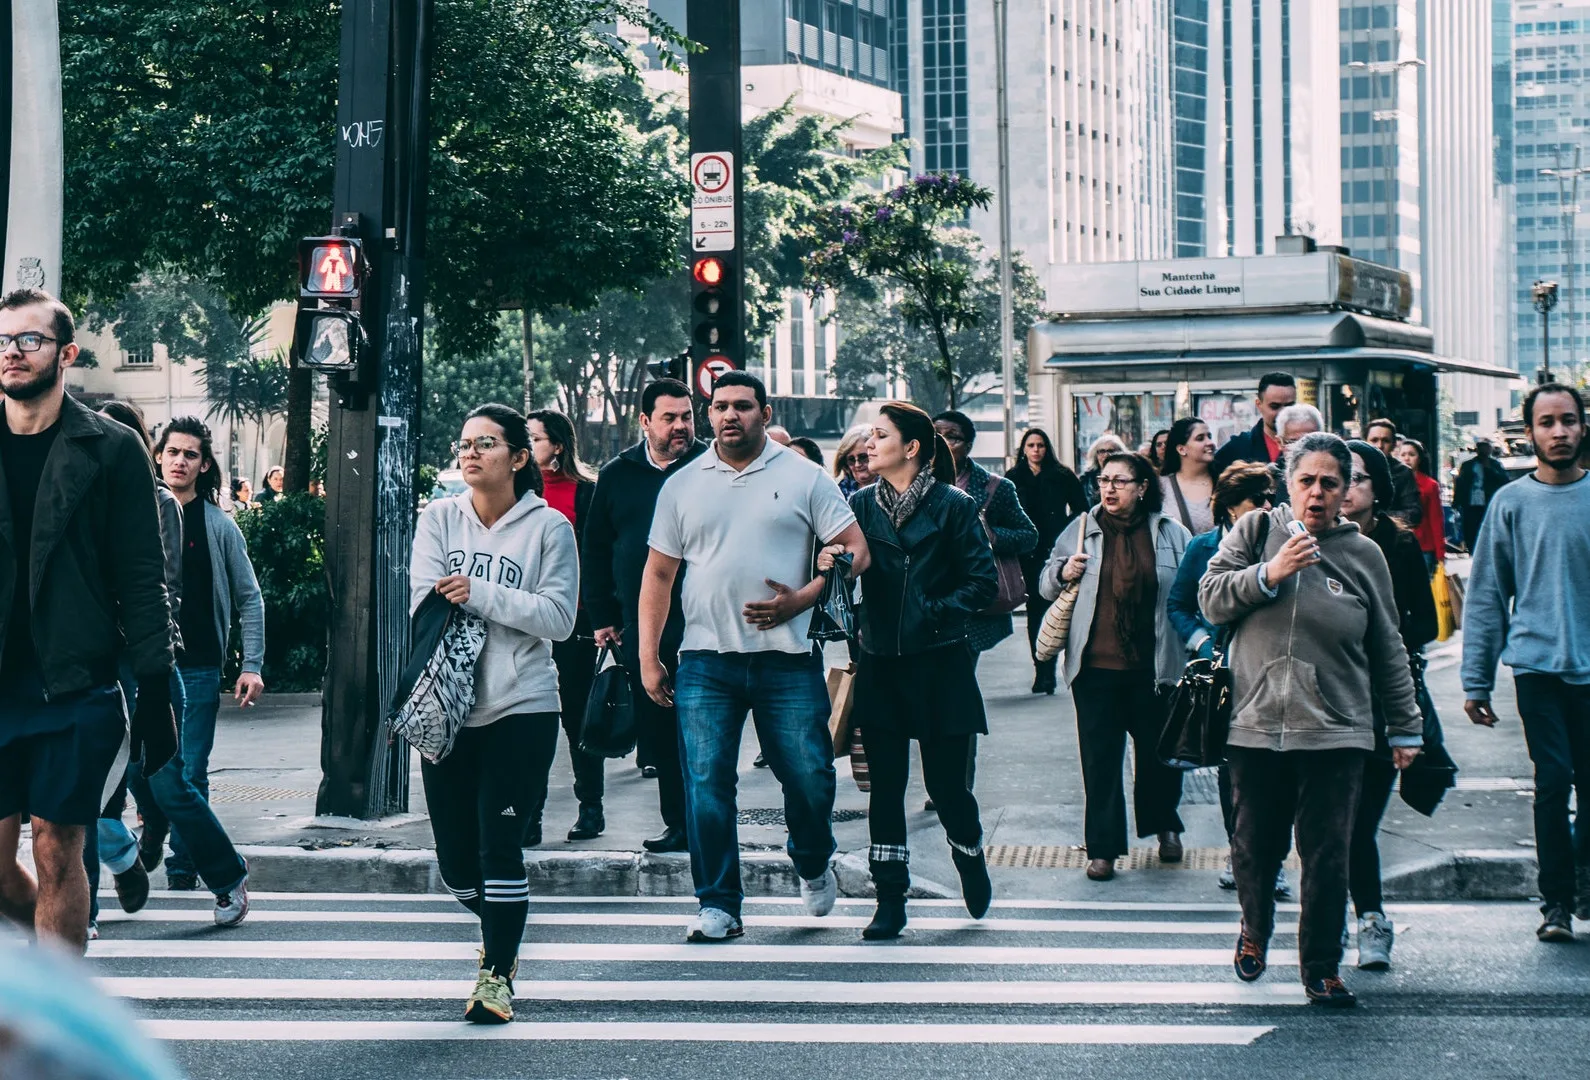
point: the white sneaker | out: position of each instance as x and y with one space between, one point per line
1283 889
1375 937
1228 880
819 894
232 907
713 924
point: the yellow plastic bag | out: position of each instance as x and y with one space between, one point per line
1445 618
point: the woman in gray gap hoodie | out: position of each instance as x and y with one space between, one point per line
1316 634
500 552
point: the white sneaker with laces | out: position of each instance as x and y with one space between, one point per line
232 907
819 894
1376 934
1227 880
713 924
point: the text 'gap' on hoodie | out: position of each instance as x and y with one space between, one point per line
524 576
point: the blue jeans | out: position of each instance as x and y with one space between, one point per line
713 692
201 692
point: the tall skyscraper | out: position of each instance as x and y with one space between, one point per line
1551 143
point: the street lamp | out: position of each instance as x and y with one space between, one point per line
1545 294
1381 116
1568 211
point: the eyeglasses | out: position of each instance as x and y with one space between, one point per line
857 459
483 444
1361 478
1117 481
26 342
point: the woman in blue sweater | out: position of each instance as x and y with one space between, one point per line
1242 487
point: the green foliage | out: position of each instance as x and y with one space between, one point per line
878 342
896 240
200 137
191 319
286 543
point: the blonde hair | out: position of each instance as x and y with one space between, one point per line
855 437
1113 442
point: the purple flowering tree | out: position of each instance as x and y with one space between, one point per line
895 241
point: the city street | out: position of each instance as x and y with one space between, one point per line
346 985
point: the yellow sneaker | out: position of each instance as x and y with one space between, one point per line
492 1001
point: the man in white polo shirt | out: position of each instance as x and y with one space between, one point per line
744 518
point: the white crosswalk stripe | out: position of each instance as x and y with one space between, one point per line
311 967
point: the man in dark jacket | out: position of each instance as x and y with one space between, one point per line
1277 390
1405 505
614 556
1478 480
82 586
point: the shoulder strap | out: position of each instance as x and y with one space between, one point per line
1181 503
1264 534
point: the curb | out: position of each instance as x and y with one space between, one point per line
553 873
1477 874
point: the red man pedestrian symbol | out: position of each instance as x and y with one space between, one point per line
333 270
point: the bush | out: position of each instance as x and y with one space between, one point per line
286 542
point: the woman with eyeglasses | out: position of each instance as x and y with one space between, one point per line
1121 654
1369 496
1051 495
850 461
1242 489
567 485
499 551
1315 643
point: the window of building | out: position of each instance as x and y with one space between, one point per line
144 357
797 345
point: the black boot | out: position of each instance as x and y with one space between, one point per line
590 823
976 888
892 879
532 832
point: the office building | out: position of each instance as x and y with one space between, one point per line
1551 164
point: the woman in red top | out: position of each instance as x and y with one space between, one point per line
568 484
1432 521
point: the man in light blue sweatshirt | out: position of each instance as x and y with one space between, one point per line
1528 597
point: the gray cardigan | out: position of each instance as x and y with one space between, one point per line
1170 542
235 583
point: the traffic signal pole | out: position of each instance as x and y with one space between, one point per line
717 162
383 144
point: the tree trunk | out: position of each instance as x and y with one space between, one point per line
300 409
948 374
529 347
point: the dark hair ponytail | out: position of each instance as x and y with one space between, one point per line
517 435
917 426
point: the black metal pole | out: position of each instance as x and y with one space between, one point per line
382 153
715 128
1544 375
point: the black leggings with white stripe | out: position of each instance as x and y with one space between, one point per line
479 797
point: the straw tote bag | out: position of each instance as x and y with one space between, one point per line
1056 625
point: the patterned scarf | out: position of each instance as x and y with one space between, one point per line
900 505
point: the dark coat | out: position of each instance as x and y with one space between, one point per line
97 563
1405 503
1243 446
1013 534
1488 472
928 580
1051 498
613 531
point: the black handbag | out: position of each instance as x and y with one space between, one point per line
1433 773
834 617
1199 719
608 729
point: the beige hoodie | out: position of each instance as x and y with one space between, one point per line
1306 662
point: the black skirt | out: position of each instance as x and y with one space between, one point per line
922 696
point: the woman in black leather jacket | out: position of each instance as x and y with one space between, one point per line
932 570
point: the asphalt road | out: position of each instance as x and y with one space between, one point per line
317 986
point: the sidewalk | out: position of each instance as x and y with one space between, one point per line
1479 845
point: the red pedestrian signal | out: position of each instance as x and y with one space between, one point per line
330 267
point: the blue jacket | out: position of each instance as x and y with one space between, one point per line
1181 607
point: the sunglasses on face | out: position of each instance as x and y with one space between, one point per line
856 459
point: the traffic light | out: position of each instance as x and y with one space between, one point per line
715 310
329 335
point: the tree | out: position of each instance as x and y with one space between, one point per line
897 239
199 140
878 345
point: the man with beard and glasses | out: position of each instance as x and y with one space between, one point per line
618 523
82 587
1528 606
742 519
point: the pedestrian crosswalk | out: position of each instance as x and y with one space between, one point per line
335 968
